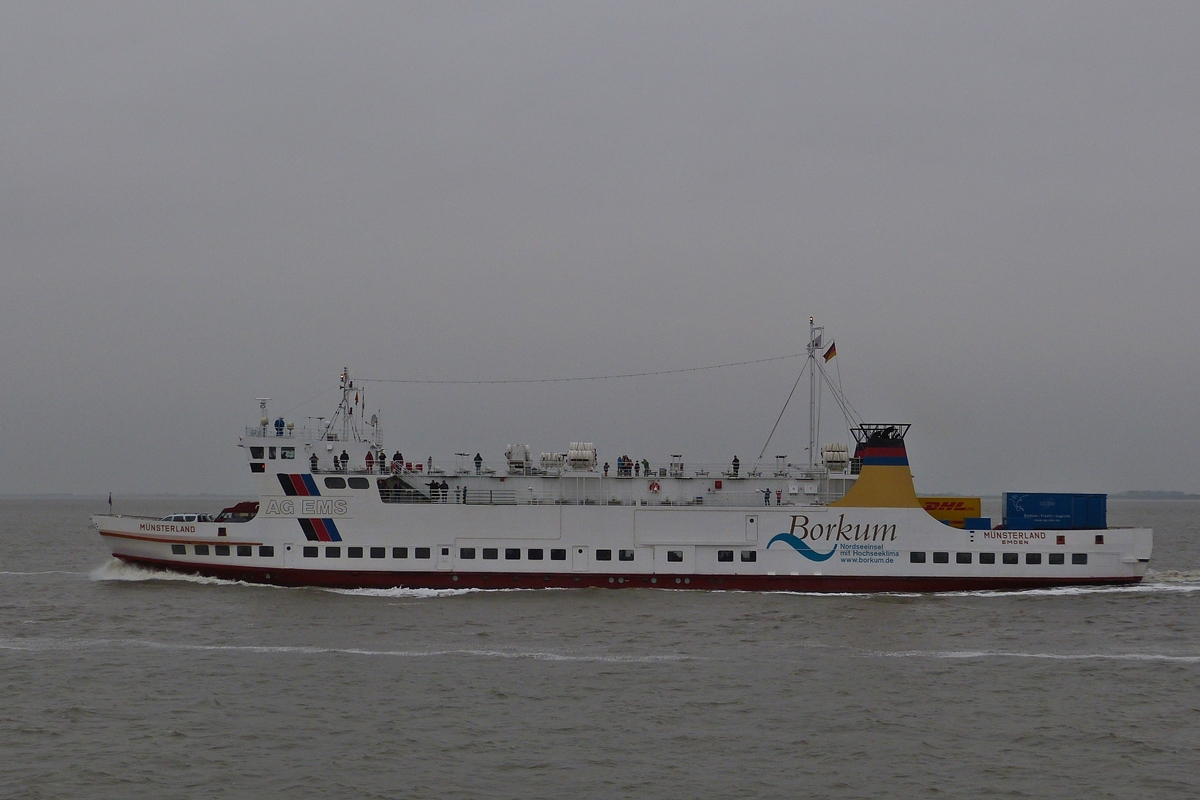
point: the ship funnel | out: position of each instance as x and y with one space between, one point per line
885 480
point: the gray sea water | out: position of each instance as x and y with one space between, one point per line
119 682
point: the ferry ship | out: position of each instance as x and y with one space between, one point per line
335 508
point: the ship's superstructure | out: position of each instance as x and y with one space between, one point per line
335 507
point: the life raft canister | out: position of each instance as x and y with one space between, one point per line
654 486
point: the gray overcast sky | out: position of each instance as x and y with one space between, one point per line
992 207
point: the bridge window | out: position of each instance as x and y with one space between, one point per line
916 558
491 553
266 551
310 552
558 554
287 452
1078 558
749 556
724 556
604 555
335 483
625 555
1010 558
675 555
941 558
256 452
987 558
399 552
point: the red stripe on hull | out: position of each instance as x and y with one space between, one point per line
371 579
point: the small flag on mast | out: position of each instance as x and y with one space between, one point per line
831 352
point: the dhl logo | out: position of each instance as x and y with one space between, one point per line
946 505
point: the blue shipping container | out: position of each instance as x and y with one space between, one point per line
1051 511
977 524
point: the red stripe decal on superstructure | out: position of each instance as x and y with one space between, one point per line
322 531
298 482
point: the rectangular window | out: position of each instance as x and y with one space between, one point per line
258 467
310 552
466 552
749 555
400 552
987 558
1078 558
245 550
1099 538
378 552
179 549
271 453
962 558
1033 558
512 553
535 554
1060 539
354 552
421 552
266 551
604 555
491 553
201 549
287 452
724 556
675 555
941 558
558 554
256 452
333 552
221 550
335 482
625 555
1056 558
358 483
916 558
1010 558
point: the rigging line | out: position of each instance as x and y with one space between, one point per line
305 402
785 405
590 377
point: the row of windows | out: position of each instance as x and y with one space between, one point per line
265 550
284 452
334 482
1007 558
510 553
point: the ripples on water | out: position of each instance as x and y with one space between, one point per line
126 682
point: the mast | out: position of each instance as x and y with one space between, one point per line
814 344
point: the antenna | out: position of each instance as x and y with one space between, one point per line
262 406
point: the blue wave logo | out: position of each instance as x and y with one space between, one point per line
801 547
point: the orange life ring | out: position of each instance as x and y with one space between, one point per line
654 486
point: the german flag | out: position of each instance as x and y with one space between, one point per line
831 352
